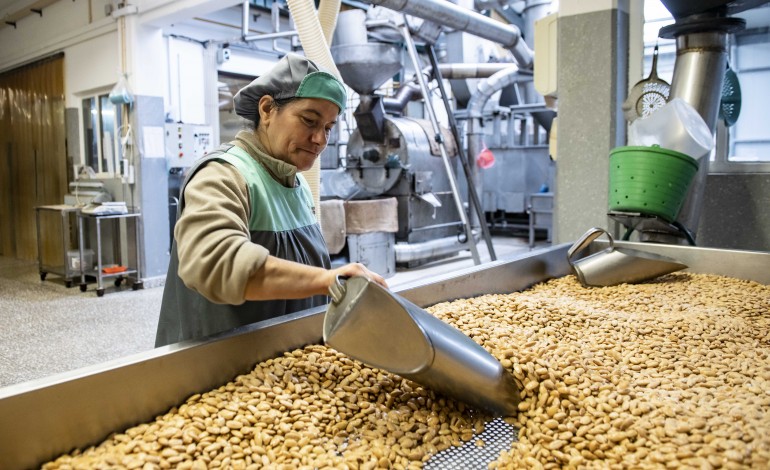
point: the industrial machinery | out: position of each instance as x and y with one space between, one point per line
45 418
701 31
390 154
399 150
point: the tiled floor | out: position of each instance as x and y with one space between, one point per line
46 328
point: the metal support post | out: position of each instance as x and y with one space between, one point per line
473 194
412 49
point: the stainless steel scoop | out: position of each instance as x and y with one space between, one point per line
613 266
384 330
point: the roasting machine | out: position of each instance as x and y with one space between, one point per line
45 418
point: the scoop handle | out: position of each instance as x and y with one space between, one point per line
337 289
591 235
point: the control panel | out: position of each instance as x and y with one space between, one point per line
186 143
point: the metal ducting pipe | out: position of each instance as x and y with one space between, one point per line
245 19
408 92
485 90
463 71
699 70
698 75
450 15
489 87
407 252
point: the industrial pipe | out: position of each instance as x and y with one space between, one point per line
489 87
463 71
486 88
407 252
408 92
450 15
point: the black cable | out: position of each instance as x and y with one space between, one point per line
687 234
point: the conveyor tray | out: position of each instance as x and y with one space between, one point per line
45 418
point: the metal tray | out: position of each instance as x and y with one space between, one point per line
45 418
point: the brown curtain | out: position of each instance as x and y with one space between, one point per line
33 160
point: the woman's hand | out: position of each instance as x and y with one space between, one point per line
358 269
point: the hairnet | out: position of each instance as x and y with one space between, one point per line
293 76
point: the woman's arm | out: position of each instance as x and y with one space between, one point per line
281 279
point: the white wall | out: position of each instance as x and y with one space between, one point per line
186 82
90 48
91 67
88 37
62 24
151 67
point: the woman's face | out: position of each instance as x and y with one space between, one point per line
298 132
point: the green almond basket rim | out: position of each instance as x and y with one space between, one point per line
655 150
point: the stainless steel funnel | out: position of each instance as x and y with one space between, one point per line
613 266
384 330
365 67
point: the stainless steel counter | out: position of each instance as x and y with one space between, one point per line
45 418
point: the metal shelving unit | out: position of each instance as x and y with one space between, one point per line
131 271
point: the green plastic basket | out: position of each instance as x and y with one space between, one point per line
650 180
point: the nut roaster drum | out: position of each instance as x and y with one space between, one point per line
384 330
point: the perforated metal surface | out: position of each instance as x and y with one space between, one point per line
479 451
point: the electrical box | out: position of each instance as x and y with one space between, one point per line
546 54
186 143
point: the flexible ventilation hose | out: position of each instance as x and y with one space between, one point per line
311 35
316 47
328 10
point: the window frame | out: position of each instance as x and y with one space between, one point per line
97 162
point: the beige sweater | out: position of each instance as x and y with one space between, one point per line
216 254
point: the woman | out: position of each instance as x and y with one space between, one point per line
247 245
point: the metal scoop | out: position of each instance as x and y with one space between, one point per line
384 330
613 266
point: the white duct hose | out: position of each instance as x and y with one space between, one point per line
328 10
311 35
316 49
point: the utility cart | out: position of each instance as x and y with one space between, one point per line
120 250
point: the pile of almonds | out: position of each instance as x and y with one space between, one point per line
672 373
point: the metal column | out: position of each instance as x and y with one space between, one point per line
442 146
